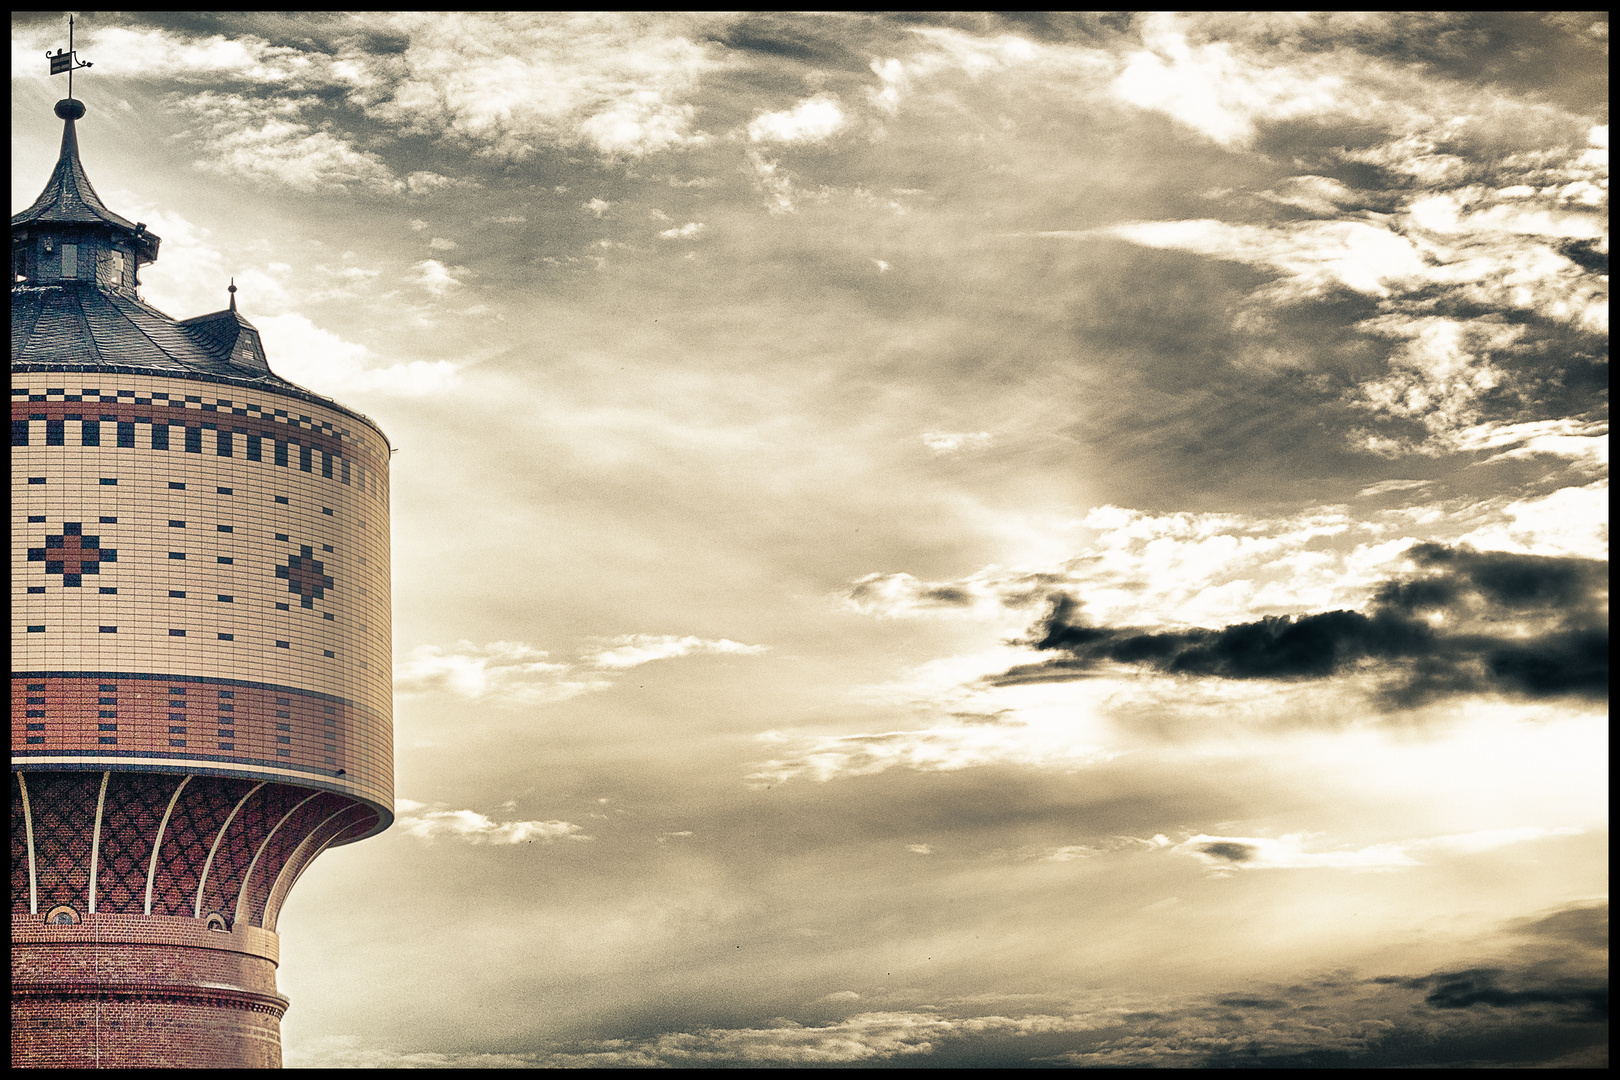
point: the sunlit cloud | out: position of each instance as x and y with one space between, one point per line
688 231
1569 521
954 442
1312 256
436 278
471 827
1214 88
633 650
616 85
500 670
811 120
314 357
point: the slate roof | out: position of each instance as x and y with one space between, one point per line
85 326
69 198
80 323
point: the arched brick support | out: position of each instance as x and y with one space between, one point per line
130 815
352 821
21 877
234 843
204 807
63 809
277 848
241 842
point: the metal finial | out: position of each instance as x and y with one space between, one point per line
69 62
232 291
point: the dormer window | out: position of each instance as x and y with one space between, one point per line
70 260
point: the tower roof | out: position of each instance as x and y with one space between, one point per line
69 198
64 322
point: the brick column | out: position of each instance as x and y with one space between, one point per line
153 991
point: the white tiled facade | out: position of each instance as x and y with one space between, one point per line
219 663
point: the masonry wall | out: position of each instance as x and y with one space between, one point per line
201 703
118 991
199 577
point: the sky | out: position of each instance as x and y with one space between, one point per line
933 540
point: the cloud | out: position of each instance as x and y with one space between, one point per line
439 243
469 826
437 278
1466 622
1570 521
959 743
509 83
688 231
633 650
1215 88
1545 1001
499 670
773 182
315 357
987 593
948 442
1485 986
1384 487
266 141
815 119
1448 373
642 123
597 207
1227 853
1312 257
1177 567
865 1038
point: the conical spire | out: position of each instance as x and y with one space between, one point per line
69 198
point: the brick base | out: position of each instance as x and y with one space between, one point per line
122 991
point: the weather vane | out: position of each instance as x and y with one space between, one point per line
67 60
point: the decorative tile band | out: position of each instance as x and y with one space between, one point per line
232 725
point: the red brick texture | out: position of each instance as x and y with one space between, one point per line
274 727
140 980
120 991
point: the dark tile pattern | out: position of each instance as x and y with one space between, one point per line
193 826
129 822
64 813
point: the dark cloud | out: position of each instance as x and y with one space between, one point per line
1468 622
1585 999
1586 926
1229 850
780 37
1545 1004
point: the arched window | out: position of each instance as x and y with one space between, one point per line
62 915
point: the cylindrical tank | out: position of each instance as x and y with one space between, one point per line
201 687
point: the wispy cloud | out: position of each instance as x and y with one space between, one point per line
500 669
689 231
633 650
1224 854
617 85
471 827
954 442
961 743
